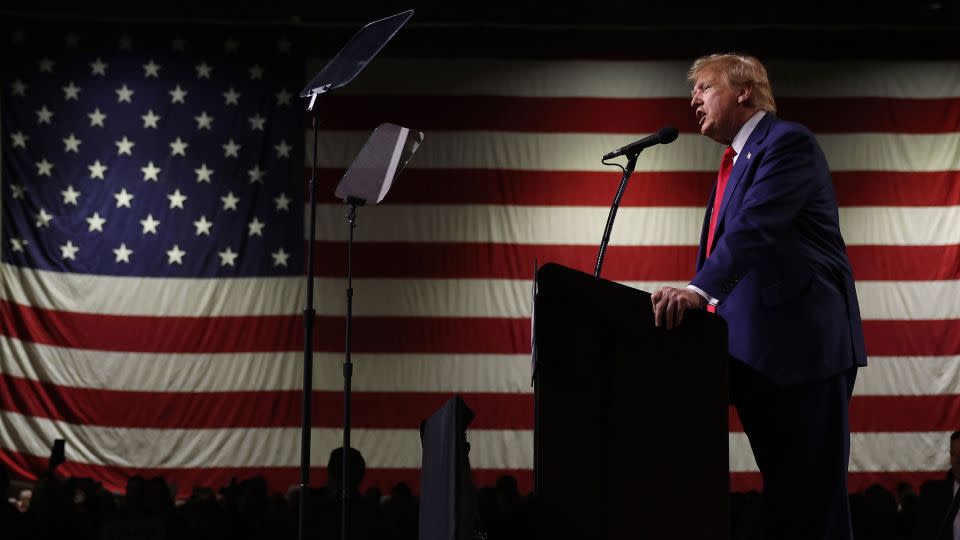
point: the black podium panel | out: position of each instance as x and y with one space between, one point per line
631 429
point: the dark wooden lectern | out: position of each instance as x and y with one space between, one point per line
631 420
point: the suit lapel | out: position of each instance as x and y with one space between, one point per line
705 230
743 161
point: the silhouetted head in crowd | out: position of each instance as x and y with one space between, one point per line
880 501
507 492
955 455
400 490
156 495
4 480
904 488
358 467
253 494
135 491
203 494
373 493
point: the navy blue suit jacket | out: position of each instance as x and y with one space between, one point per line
778 265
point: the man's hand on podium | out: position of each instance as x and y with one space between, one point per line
669 304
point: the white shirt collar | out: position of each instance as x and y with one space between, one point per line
745 131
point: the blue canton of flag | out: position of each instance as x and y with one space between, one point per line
154 156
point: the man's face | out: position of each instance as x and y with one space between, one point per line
955 458
716 105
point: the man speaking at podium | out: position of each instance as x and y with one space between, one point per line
773 264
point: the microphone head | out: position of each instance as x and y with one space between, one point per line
667 134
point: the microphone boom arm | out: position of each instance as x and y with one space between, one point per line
627 171
666 135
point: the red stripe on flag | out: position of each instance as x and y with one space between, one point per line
897 188
498 261
628 115
482 335
894 414
905 413
511 113
912 338
202 410
371 410
279 479
482 260
541 188
872 114
150 334
905 263
856 481
478 335
597 188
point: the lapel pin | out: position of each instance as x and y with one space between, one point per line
749 155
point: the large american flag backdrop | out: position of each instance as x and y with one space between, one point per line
153 237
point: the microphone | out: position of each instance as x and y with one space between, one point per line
666 135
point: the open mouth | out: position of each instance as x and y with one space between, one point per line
701 116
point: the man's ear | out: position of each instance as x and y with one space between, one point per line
744 93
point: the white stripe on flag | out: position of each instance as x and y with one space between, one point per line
582 151
909 300
251 372
503 298
152 296
635 226
900 225
909 376
539 225
375 372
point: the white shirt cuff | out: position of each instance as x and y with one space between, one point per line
710 300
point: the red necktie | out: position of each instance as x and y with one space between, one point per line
726 166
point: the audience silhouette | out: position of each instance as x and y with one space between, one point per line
81 508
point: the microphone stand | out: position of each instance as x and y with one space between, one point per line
354 202
627 171
309 315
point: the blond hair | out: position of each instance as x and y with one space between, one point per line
738 71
